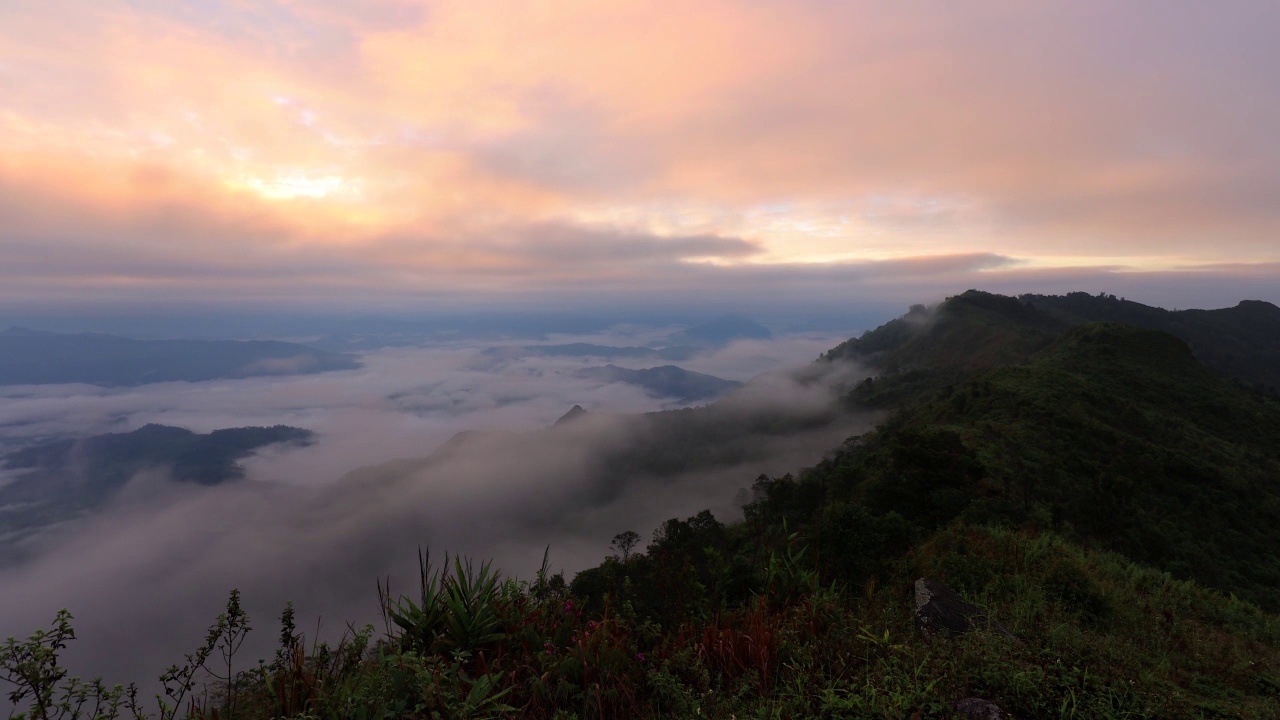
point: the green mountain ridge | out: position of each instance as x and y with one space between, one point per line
976 330
1111 434
1242 341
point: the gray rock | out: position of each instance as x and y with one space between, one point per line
940 609
978 709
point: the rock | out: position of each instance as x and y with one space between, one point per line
940 609
978 709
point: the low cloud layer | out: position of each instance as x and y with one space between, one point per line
147 574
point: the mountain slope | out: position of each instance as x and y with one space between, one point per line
1241 341
928 349
1111 434
54 481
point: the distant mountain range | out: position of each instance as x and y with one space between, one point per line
32 357
54 481
503 353
721 331
676 347
667 381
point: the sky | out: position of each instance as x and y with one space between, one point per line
405 154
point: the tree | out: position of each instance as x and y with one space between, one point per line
623 542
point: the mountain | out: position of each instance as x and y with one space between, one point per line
1083 483
53 481
30 357
503 353
1241 341
927 349
720 331
575 413
667 381
676 347
1109 433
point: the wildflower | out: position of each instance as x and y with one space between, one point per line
568 606
640 657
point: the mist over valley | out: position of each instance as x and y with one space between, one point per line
436 446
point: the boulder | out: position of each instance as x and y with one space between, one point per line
978 709
940 609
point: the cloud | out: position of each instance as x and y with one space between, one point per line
66 241
345 151
551 250
150 572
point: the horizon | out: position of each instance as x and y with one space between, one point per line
492 325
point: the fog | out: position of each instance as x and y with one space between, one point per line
317 525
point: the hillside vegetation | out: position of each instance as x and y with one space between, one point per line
1110 434
1242 341
1091 487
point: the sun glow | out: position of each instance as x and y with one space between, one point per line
290 185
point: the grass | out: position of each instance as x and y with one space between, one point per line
1096 637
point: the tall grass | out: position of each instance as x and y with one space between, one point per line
1096 637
